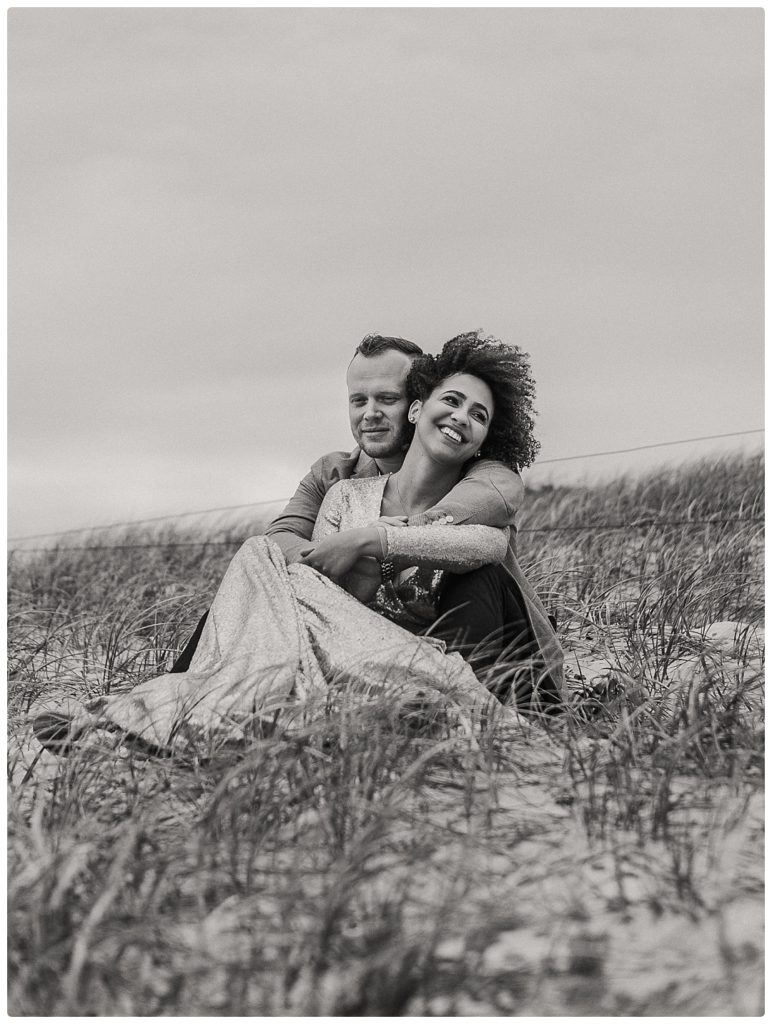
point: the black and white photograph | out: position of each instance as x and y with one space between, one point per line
385 560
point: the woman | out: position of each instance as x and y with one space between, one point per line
284 640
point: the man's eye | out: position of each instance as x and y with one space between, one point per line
356 401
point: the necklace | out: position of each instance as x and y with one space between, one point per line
396 495
421 508
399 495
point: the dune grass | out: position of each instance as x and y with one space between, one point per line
610 863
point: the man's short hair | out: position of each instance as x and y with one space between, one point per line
374 344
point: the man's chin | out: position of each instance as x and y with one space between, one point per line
378 452
381 449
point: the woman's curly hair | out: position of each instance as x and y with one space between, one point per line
507 372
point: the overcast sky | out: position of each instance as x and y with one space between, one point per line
210 207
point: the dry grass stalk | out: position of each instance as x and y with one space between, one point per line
611 863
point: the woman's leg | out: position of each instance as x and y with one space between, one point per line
361 650
253 655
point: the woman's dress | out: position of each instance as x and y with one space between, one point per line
281 641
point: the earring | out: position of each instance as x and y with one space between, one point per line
412 418
477 455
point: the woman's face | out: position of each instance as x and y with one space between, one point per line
453 422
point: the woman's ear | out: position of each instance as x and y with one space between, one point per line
415 410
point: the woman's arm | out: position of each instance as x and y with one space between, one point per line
458 548
336 552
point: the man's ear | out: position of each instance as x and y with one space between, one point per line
414 410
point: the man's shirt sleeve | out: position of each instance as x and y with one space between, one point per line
489 495
293 528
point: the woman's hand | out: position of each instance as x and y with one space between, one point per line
363 580
332 556
336 555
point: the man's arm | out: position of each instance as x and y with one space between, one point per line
489 495
292 529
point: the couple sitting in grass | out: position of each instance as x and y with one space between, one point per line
390 575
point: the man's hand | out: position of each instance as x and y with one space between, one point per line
432 516
392 521
435 517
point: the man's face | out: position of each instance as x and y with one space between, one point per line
377 403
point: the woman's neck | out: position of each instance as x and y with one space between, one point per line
422 483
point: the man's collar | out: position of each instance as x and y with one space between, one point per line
365 464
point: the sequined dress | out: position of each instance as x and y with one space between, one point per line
280 639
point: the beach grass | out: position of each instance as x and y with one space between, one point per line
608 860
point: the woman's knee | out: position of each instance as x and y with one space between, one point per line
257 545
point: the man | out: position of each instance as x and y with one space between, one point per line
482 613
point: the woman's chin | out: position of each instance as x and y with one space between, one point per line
451 459
445 452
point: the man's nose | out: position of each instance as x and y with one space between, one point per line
372 411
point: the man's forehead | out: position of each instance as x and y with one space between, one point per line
387 370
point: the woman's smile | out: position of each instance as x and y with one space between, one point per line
452 435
